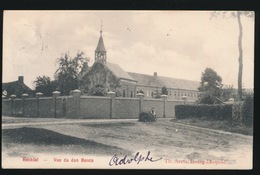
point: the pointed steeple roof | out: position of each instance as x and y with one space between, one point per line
100 46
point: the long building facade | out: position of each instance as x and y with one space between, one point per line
111 77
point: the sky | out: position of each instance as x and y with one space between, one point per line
178 44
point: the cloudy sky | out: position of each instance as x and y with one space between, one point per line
179 44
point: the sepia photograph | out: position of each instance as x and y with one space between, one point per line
127 89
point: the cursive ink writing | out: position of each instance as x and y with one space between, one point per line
115 160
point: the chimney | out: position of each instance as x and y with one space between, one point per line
155 74
20 79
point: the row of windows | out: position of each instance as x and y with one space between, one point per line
188 94
175 93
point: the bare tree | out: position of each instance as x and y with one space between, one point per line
237 15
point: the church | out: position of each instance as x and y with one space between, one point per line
105 76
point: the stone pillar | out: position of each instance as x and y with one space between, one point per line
164 97
76 103
55 95
12 104
112 96
38 95
24 96
141 101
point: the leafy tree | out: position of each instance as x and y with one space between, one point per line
164 91
157 94
237 15
69 71
99 90
210 86
45 85
227 93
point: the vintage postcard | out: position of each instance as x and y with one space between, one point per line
128 89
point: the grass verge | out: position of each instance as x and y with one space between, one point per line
217 125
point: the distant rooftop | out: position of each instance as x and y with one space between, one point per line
160 81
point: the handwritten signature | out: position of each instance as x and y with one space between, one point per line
115 160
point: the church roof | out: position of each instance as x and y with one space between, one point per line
114 68
118 71
100 46
159 81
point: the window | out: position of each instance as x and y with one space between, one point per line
131 94
147 92
151 94
124 93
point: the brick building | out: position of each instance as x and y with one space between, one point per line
111 77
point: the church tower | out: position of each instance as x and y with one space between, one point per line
100 52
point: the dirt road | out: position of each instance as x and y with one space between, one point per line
162 138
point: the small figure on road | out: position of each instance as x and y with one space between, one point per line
153 114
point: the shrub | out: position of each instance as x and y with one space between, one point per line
213 112
146 117
248 110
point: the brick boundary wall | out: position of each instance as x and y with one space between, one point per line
86 107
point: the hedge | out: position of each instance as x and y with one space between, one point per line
215 112
248 110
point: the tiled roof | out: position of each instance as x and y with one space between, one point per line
146 80
179 83
16 88
118 71
159 81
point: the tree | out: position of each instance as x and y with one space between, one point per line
210 86
45 85
238 15
69 71
99 90
157 94
227 93
164 91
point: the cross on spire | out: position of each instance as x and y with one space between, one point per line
101 25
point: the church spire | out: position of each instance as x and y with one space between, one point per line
100 52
